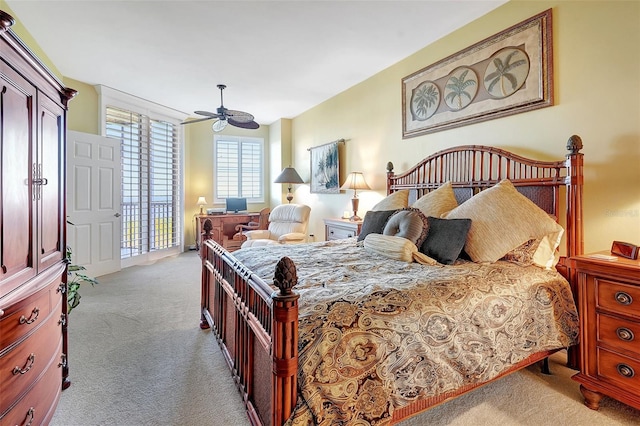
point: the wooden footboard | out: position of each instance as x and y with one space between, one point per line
256 327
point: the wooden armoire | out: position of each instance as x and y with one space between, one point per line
33 272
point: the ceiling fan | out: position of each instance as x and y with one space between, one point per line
226 116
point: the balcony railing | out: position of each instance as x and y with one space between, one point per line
138 237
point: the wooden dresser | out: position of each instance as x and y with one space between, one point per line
609 307
33 342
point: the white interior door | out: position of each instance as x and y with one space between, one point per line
93 202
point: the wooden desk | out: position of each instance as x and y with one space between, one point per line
224 227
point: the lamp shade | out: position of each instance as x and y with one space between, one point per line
355 180
288 175
201 201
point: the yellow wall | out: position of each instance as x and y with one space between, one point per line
597 96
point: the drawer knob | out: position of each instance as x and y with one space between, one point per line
623 298
30 361
625 334
32 317
625 370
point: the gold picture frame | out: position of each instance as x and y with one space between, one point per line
508 73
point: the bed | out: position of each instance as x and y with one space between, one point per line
332 333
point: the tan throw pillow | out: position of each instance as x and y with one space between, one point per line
437 202
503 219
396 248
394 201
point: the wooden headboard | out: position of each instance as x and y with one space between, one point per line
555 186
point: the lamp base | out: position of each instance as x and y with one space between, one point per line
354 206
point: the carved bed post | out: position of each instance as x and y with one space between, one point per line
284 337
390 174
206 276
575 231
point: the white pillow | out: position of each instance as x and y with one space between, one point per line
501 220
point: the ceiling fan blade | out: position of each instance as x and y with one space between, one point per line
197 120
244 125
207 113
239 116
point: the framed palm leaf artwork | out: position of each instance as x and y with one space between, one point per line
325 168
508 73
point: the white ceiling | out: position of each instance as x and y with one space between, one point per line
277 58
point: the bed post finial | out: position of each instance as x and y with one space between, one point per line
286 276
390 175
574 144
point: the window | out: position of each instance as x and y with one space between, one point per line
151 176
238 168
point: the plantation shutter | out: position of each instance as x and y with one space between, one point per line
150 181
239 170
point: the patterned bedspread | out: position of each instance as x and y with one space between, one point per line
377 334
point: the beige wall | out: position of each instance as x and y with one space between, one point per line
597 96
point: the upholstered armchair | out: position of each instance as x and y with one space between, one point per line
287 225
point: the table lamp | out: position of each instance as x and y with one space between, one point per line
201 202
289 176
355 181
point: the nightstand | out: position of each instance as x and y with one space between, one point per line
609 307
336 229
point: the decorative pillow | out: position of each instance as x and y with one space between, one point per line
445 239
394 201
374 222
437 202
396 248
502 220
523 254
408 223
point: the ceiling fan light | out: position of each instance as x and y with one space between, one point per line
219 125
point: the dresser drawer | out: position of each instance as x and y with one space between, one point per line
22 365
619 370
619 333
25 316
39 404
618 297
337 233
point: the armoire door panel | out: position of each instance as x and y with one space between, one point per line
16 159
50 182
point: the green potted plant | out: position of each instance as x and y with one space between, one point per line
74 280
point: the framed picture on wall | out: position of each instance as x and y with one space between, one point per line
325 169
508 73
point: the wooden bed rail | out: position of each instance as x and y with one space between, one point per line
256 328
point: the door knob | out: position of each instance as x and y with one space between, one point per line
117 215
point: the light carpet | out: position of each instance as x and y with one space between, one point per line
138 357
